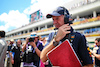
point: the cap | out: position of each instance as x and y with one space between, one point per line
12 40
59 11
33 34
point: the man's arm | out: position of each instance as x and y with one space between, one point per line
12 60
43 56
88 65
11 53
96 55
24 47
62 31
36 48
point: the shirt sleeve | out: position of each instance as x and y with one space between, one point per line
50 37
40 47
84 51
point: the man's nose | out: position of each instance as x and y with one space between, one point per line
55 21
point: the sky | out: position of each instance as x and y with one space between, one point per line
16 13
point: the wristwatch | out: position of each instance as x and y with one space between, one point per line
35 48
55 43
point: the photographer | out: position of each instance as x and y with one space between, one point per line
37 47
61 20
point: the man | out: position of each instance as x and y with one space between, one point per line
61 20
15 54
37 47
3 48
10 45
97 54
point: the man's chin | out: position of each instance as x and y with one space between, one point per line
57 26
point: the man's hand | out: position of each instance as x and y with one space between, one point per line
91 51
12 61
62 31
33 44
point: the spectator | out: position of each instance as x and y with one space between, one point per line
9 64
44 41
36 48
15 54
40 39
97 54
3 48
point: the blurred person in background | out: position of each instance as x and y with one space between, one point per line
96 53
3 48
44 41
35 46
15 54
40 39
10 45
95 48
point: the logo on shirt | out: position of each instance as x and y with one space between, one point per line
89 51
72 38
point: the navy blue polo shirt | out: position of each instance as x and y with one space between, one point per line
79 44
16 51
40 47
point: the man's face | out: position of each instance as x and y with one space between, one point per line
11 42
97 43
19 42
58 20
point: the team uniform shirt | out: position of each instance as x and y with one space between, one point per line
16 51
79 44
40 47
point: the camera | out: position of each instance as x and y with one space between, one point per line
31 39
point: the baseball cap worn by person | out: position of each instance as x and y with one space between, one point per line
12 40
59 11
33 35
